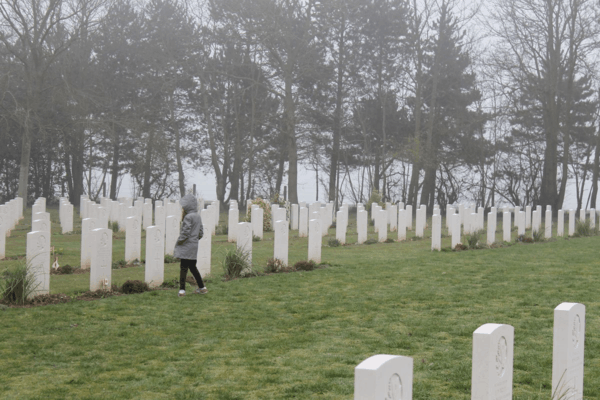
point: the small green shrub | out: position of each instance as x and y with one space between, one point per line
114 226
236 264
119 264
461 247
334 242
524 239
371 241
17 284
222 230
305 265
169 259
375 198
256 238
474 238
172 284
583 229
134 286
389 240
65 270
266 213
538 236
275 265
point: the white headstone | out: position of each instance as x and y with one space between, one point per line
506 226
402 222
281 241
409 217
582 214
393 217
103 216
455 229
449 212
491 228
421 220
492 370
257 222
571 222
133 239
154 270
593 218
123 214
172 227
324 214
147 215
36 208
568 351
303 222
521 223
205 251
244 238
67 224
548 224
384 377
560 227
294 217
314 240
160 218
87 226
528 217
436 232
41 225
340 227
362 225
38 261
101 263
233 221
381 221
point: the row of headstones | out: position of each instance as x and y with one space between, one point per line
99 250
65 215
393 216
10 214
390 377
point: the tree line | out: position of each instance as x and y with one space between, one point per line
425 101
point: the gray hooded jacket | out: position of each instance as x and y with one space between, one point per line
191 229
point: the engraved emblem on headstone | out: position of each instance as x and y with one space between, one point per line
501 357
576 330
104 239
41 243
394 388
135 224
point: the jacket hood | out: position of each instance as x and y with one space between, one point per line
189 203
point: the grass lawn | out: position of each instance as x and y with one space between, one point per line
300 335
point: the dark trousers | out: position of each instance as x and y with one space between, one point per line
191 265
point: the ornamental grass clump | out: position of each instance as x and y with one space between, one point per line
17 284
236 264
134 286
305 265
583 229
275 265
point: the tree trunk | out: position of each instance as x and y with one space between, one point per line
24 166
290 124
147 167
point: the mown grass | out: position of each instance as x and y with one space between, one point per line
300 335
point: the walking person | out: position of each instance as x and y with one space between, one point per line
186 248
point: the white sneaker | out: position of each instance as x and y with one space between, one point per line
201 290
181 293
